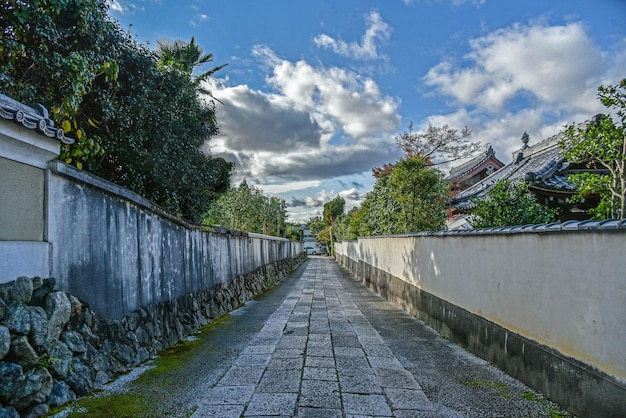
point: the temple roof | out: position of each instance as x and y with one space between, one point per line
467 167
540 165
31 118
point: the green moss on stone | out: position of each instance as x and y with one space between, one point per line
552 410
501 389
162 375
110 405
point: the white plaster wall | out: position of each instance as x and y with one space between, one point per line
24 258
566 290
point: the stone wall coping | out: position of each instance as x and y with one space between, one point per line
557 227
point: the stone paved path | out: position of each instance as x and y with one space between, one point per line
319 355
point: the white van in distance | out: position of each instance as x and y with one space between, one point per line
312 248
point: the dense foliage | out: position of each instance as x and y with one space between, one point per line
52 52
410 198
333 211
347 226
509 204
245 208
139 123
602 142
294 232
316 224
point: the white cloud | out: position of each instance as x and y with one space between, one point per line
124 7
555 64
318 123
116 6
197 19
339 99
476 3
376 31
525 78
289 186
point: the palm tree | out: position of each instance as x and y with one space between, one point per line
186 57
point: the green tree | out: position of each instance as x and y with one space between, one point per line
603 142
138 124
152 130
509 204
186 57
421 195
245 208
332 210
316 224
324 236
410 198
347 226
294 233
52 52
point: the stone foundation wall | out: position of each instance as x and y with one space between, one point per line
53 347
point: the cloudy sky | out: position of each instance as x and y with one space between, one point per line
315 92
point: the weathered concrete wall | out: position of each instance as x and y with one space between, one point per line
544 305
118 252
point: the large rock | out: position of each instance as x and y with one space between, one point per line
41 292
9 412
10 373
3 309
5 341
88 335
123 353
38 326
22 290
22 353
37 282
81 378
74 341
60 394
60 359
101 379
17 318
76 314
36 411
58 308
46 384
95 359
28 389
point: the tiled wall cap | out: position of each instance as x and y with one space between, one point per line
31 118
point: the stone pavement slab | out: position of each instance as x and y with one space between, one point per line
320 344
320 355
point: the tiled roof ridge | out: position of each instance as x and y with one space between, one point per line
539 147
468 166
474 190
31 118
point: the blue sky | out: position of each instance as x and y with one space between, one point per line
315 92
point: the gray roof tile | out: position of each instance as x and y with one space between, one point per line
31 118
540 165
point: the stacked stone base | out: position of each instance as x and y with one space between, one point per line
53 347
